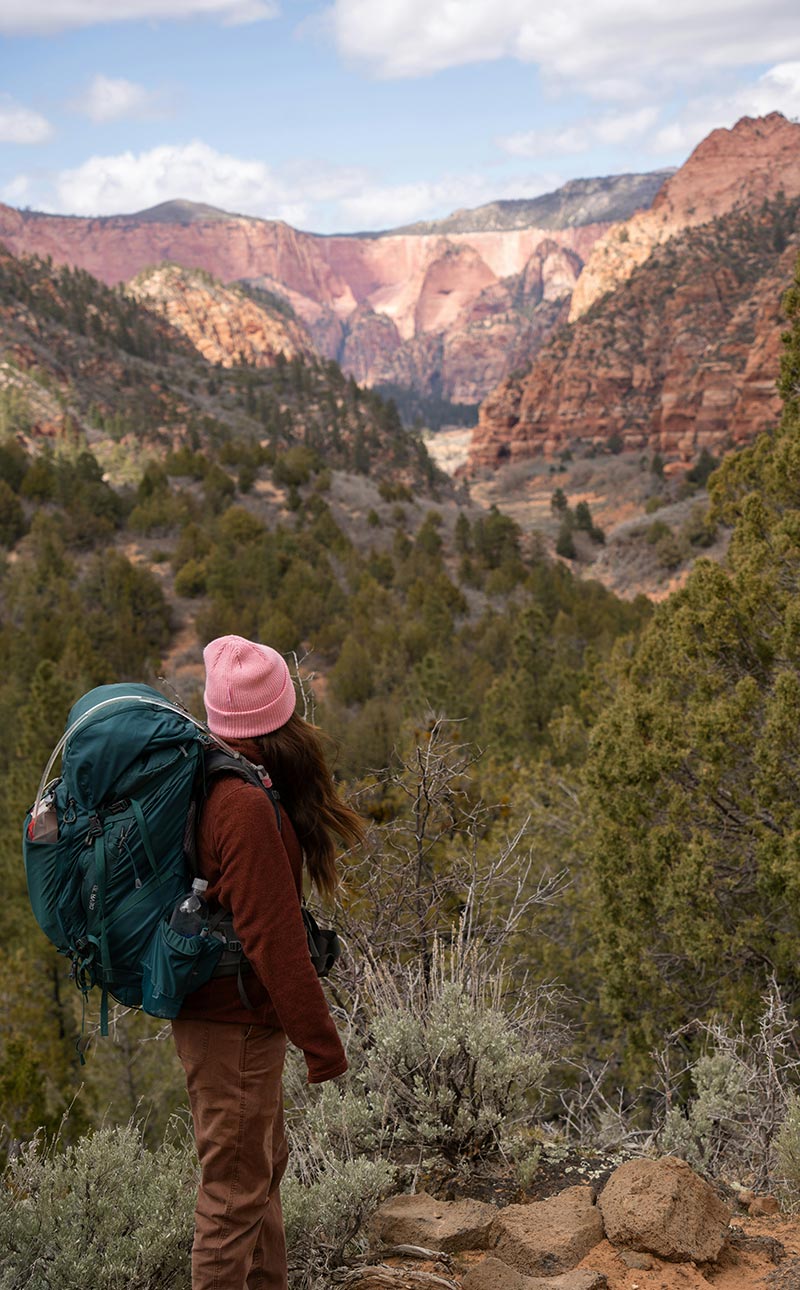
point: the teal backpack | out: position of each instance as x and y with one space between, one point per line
109 847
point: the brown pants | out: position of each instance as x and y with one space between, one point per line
233 1074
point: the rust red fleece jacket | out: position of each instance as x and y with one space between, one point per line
256 872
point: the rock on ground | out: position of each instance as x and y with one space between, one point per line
548 1236
663 1207
492 1274
434 1224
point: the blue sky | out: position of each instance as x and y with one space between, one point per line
363 114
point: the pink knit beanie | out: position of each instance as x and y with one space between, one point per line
248 690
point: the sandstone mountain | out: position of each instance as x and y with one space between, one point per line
729 170
683 352
223 323
448 314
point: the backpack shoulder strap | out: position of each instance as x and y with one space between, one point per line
217 761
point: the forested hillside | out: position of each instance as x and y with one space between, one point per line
150 502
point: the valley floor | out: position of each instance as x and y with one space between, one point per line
619 491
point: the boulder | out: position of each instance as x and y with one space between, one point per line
548 1236
663 1207
434 1224
491 1274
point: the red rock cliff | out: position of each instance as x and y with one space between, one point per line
683 355
730 169
676 325
430 293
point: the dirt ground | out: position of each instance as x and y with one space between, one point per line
762 1254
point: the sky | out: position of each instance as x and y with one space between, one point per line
366 114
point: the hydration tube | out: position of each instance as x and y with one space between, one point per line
44 783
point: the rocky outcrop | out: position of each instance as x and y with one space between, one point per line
369 346
649 1215
663 1207
730 169
682 356
223 324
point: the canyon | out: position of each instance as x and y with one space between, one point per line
657 332
448 311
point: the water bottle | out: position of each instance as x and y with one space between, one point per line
43 825
190 915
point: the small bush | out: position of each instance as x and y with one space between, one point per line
742 1120
699 530
191 579
787 1154
670 552
106 1212
658 530
458 1072
295 466
326 1212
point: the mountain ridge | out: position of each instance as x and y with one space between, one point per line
439 314
675 321
615 196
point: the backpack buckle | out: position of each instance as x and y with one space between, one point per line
95 829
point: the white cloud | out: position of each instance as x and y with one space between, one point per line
16 191
109 99
612 129
47 16
127 181
19 124
609 48
777 90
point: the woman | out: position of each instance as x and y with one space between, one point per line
232 1055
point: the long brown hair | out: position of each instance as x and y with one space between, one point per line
294 757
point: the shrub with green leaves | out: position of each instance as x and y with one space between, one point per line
458 1071
326 1209
105 1212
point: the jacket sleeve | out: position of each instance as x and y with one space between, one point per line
258 887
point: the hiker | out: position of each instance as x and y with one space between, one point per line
252 857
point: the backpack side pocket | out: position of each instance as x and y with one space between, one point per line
173 967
